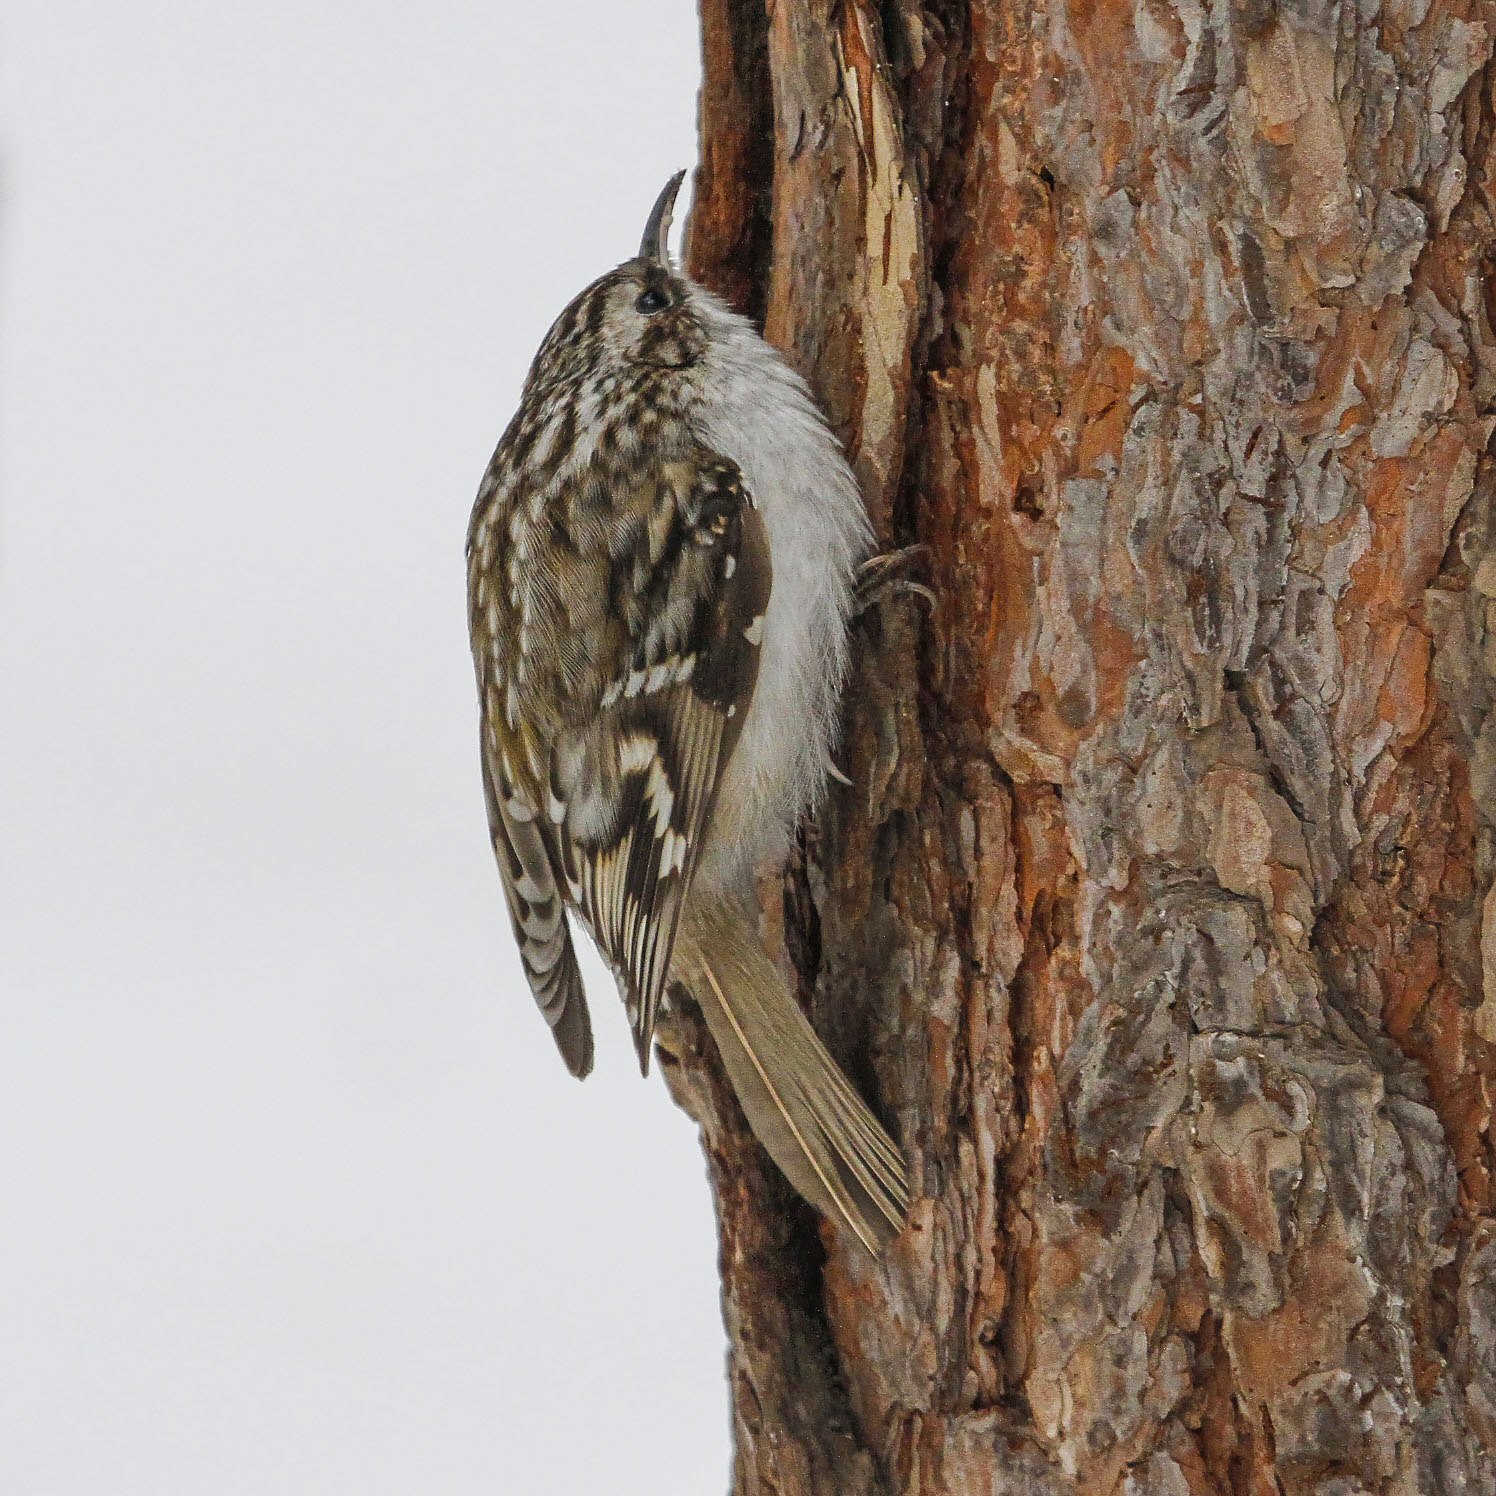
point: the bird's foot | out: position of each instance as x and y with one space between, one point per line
888 575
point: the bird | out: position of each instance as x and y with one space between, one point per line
662 568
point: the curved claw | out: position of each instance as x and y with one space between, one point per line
887 575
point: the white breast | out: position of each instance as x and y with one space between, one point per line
758 413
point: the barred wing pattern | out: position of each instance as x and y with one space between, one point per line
526 867
616 795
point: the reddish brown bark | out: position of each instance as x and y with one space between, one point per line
1159 921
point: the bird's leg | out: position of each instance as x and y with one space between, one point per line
887 576
878 579
670 1042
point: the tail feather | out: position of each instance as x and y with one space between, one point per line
801 1107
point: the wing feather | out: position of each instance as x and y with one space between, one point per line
615 669
663 750
535 911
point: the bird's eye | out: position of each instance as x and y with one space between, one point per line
652 301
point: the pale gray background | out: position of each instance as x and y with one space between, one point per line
295 1195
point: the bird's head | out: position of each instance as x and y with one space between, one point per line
644 313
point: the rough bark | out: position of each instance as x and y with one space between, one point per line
1159 923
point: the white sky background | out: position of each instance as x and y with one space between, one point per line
295 1194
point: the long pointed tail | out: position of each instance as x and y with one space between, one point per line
799 1104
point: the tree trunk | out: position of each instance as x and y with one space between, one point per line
1159 923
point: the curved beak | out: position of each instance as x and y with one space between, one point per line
655 245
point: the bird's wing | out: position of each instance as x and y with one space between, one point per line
631 787
527 868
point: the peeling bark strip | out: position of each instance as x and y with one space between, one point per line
1161 916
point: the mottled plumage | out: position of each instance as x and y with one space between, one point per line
661 565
